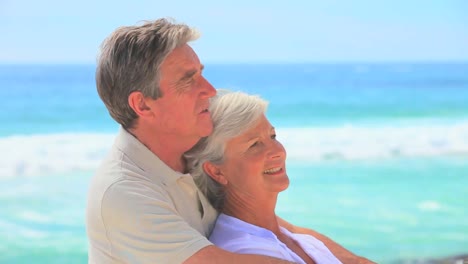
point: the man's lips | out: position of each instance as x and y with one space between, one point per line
204 110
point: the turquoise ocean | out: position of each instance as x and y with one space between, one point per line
377 154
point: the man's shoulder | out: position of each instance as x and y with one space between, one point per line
118 174
118 166
125 193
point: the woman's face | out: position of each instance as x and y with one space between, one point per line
254 162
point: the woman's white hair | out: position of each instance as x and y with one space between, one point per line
232 113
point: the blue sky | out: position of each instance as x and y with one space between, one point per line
53 31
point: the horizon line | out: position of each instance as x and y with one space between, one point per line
448 61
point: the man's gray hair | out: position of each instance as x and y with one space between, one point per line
130 60
233 113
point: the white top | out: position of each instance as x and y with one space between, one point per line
141 211
235 235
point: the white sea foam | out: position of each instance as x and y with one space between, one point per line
429 206
383 142
34 216
53 153
56 153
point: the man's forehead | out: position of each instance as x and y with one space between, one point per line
184 52
180 61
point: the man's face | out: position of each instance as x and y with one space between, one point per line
254 163
182 109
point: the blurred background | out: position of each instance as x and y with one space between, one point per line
370 99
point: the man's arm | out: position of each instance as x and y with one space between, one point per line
143 227
213 254
344 255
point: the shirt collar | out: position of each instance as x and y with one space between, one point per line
140 155
246 227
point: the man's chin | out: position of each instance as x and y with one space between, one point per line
206 131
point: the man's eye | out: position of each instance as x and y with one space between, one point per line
254 144
273 136
189 80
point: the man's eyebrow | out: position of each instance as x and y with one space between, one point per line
188 74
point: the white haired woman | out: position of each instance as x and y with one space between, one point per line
241 168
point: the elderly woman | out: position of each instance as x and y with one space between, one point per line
241 168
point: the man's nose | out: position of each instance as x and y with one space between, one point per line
207 89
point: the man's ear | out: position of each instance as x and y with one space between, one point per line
214 172
137 102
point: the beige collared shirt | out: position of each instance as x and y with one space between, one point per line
141 211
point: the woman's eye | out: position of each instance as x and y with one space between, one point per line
273 136
254 144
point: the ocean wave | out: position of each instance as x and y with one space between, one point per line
381 142
57 153
36 155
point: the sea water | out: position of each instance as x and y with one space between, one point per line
377 154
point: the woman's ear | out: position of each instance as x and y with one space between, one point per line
137 101
214 172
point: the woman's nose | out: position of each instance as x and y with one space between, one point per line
277 150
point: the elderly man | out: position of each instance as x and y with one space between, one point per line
142 205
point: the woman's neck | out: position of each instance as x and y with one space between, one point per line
259 211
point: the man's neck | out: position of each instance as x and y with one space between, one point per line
169 149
